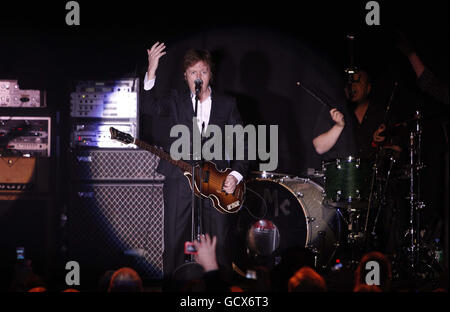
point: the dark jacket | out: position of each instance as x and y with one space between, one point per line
177 108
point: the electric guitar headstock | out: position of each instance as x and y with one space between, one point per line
121 136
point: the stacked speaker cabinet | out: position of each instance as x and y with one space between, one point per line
26 179
115 212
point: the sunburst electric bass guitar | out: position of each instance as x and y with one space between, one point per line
208 178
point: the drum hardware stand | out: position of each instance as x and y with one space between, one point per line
318 259
354 223
316 254
380 194
354 236
312 247
372 193
375 177
416 205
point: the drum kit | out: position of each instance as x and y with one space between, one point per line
320 212
335 213
332 213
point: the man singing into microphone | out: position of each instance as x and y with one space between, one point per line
180 107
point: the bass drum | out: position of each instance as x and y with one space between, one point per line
294 205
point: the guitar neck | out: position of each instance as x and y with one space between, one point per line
163 155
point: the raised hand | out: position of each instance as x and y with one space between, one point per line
154 54
206 252
403 44
337 117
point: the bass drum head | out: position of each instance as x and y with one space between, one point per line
294 206
266 199
324 223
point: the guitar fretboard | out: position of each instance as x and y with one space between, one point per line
163 155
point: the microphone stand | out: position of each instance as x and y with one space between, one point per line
197 234
191 266
200 207
193 176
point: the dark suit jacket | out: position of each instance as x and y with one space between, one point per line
177 108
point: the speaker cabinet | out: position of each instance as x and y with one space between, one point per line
117 165
115 225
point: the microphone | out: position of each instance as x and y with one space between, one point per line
198 85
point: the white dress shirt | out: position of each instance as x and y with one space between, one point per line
203 113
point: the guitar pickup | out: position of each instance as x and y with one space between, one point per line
233 205
206 176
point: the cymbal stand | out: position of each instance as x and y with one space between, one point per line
415 203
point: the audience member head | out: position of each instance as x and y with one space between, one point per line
367 288
236 288
104 281
70 290
194 285
440 290
125 280
307 280
364 268
292 259
24 278
38 289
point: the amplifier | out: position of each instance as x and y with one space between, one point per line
22 177
17 173
12 96
29 136
105 99
96 134
117 165
115 225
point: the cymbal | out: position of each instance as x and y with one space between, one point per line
269 174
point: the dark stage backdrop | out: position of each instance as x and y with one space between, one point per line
261 68
260 51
